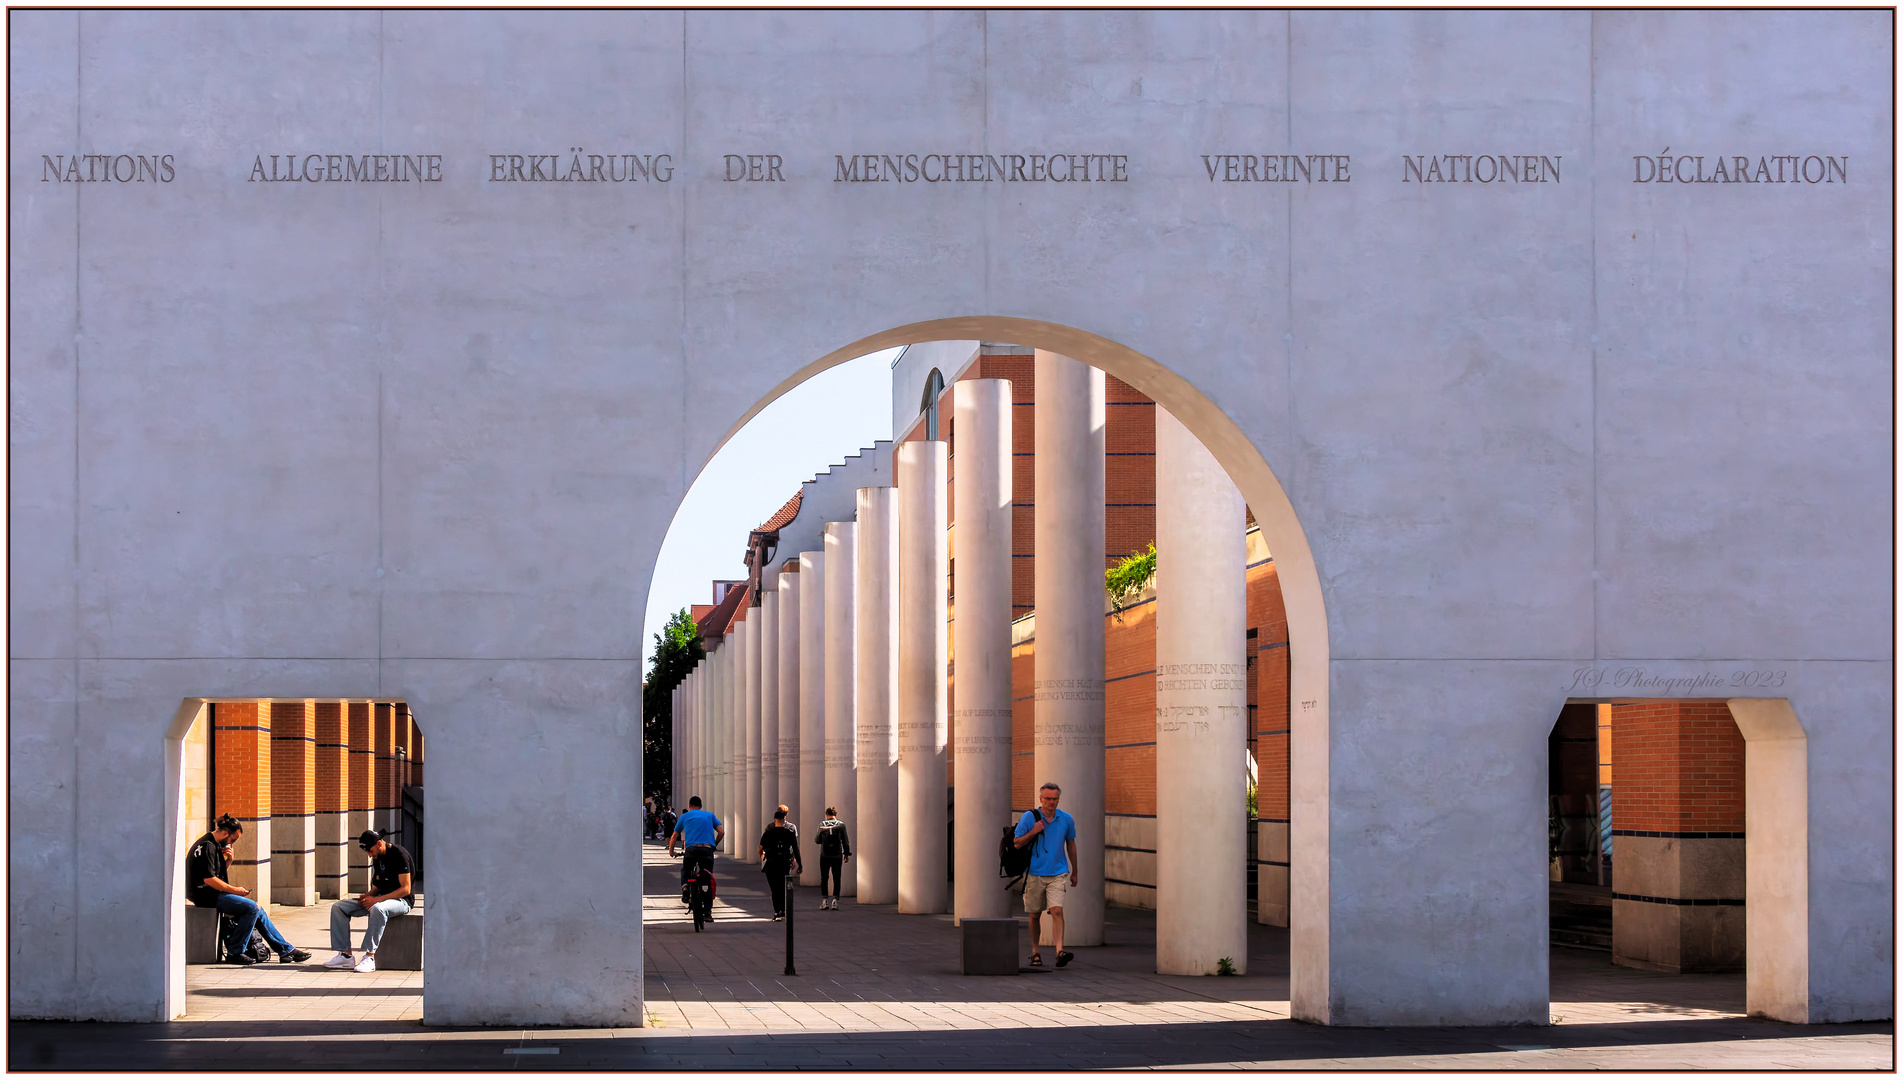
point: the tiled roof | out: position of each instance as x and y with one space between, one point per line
784 514
719 617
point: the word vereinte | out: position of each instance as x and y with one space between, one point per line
981 168
349 168
1277 168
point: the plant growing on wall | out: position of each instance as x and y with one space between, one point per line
677 649
1128 578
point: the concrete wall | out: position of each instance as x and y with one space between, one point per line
1496 434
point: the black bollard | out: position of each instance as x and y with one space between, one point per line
792 882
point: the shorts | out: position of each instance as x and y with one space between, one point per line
1045 892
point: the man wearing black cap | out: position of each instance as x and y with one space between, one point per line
389 896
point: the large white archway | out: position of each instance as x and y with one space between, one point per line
1300 583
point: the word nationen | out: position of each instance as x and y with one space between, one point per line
348 169
1479 168
980 168
107 168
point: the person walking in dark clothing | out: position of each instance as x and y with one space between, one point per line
835 847
779 856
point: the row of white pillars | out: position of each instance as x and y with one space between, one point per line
834 691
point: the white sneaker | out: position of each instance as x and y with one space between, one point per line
341 960
367 965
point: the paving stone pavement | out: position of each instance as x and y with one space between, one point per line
879 990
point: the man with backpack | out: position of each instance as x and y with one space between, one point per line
1051 835
699 832
205 886
835 847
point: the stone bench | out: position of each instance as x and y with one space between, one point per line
990 946
402 946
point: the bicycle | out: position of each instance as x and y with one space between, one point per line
700 897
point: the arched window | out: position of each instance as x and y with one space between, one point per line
934 386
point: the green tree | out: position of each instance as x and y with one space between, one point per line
677 649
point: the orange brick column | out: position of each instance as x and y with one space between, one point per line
1269 623
241 756
383 780
361 801
1677 837
333 799
294 803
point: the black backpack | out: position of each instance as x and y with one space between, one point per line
1013 861
257 948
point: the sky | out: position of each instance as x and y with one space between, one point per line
757 471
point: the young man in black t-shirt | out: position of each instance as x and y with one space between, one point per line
389 896
205 886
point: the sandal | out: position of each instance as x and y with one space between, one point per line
1064 958
1037 959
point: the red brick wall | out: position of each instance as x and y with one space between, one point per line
332 758
1129 471
1268 652
1129 729
293 757
1677 766
241 760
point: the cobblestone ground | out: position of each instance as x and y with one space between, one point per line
879 990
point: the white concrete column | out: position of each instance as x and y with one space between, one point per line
787 782
876 670
981 642
842 784
769 702
1069 535
733 739
924 551
1202 709
754 795
811 807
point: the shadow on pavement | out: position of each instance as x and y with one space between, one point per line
388 1046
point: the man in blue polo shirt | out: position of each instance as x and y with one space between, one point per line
1053 834
699 832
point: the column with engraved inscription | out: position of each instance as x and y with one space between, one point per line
746 810
842 751
720 798
1069 658
876 669
786 783
811 808
731 741
981 642
921 471
1202 708
769 692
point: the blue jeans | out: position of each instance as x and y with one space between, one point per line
246 912
380 914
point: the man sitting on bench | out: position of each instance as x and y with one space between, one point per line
205 886
388 897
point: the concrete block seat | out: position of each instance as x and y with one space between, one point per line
201 934
990 946
402 946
